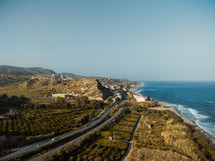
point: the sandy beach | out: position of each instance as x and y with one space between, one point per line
209 137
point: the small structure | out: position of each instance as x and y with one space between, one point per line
61 95
149 127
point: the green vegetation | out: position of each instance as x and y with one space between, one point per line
36 126
43 123
11 79
7 103
142 106
30 122
108 144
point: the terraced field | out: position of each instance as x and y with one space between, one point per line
107 145
119 135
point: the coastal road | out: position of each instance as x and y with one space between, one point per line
132 139
37 145
80 137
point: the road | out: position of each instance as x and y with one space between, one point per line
37 145
80 137
132 139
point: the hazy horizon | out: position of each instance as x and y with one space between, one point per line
137 40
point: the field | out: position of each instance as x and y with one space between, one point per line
109 144
37 124
121 132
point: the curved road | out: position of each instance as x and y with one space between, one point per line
37 145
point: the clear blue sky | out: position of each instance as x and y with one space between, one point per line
138 40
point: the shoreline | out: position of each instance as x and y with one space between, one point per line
164 106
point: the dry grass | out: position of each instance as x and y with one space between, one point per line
146 154
179 136
169 134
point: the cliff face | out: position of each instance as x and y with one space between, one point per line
89 87
105 91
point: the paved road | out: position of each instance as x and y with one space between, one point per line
80 137
132 138
37 145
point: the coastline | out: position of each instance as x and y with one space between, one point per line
166 106
186 120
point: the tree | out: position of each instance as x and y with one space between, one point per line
148 97
3 96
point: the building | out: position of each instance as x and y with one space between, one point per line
139 98
61 95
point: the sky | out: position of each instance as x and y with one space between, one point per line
137 40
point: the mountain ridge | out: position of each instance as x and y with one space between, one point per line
13 70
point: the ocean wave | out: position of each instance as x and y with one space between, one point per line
207 126
211 102
180 108
197 115
188 112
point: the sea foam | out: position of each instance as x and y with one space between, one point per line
197 115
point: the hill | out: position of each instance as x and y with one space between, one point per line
6 80
41 85
11 70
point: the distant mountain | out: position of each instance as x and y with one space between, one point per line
68 74
11 70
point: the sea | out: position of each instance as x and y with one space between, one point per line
194 100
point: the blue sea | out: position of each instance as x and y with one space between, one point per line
194 100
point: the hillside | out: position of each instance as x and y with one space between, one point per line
12 79
45 84
11 70
91 88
